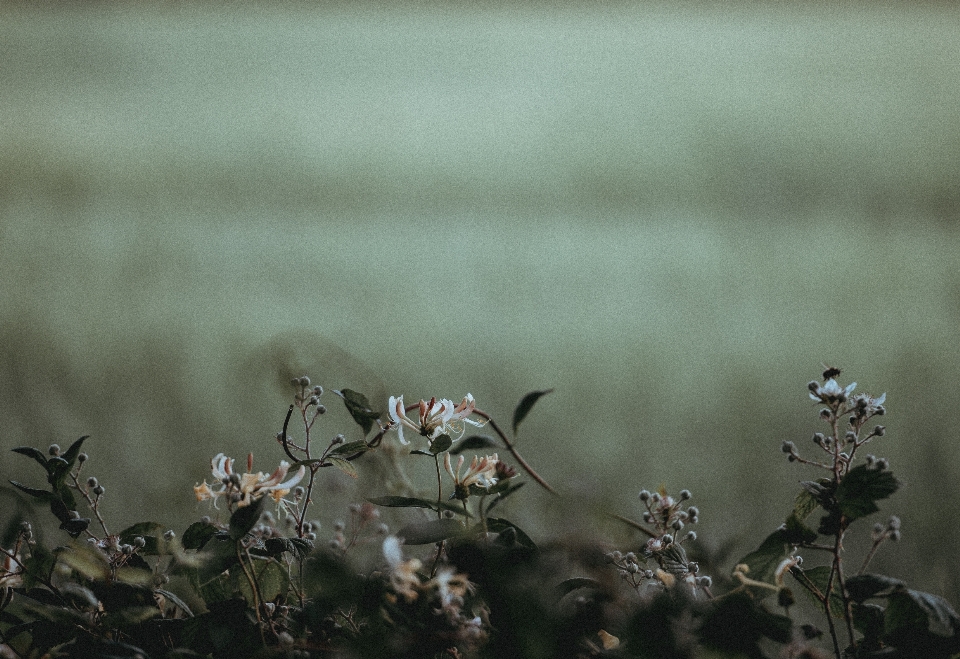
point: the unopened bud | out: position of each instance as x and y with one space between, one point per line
54 450
704 582
82 457
139 542
882 464
818 438
788 447
98 490
644 495
169 535
691 536
92 482
303 381
813 386
339 439
825 414
879 431
685 495
321 409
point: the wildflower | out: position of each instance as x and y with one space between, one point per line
437 417
451 587
866 405
249 486
482 472
830 391
404 580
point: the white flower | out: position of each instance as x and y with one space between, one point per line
830 391
248 486
404 579
481 472
437 417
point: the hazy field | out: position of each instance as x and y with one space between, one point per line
672 217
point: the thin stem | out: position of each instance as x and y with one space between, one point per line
513 451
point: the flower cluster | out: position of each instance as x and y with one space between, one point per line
481 473
436 417
243 489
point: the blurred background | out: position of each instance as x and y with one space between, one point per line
671 215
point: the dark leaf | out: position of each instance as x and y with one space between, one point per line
804 504
815 581
197 535
359 408
176 601
499 525
246 518
413 502
57 469
864 586
861 488
425 533
75 526
819 491
526 404
440 444
868 620
71 455
915 619
795 532
764 560
737 624
350 448
43 495
474 442
31 452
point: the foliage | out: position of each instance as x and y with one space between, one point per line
261 585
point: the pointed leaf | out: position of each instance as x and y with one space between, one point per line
804 504
197 535
526 404
474 442
31 452
764 560
359 408
176 601
43 495
71 455
425 533
815 581
414 502
350 448
246 518
912 615
864 586
343 465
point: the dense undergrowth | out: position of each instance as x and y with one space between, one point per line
254 578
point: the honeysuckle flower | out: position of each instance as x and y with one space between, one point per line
436 417
404 580
247 487
482 472
451 587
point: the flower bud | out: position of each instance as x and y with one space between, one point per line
693 567
818 438
704 581
205 519
644 495
825 414
321 409
169 535
98 490
318 390
139 542
667 539
882 464
54 450
83 457
677 525
788 447
685 495
303 381
851 436
92 482
691 536
879 431
647 517
813 386
893 523
126 550
339 439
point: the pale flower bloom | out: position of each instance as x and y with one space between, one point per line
404 579
481 472
451 587
437 417
248 486
830 391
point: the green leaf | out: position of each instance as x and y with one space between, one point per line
864 586
246 518
31 452
343 465
71 455
795 532
861 488
815 581
425 533
804 504
43 495
440 444
359 408
89 562
414 502
912 614
197 535
526 404
474 442
350 448
764 560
